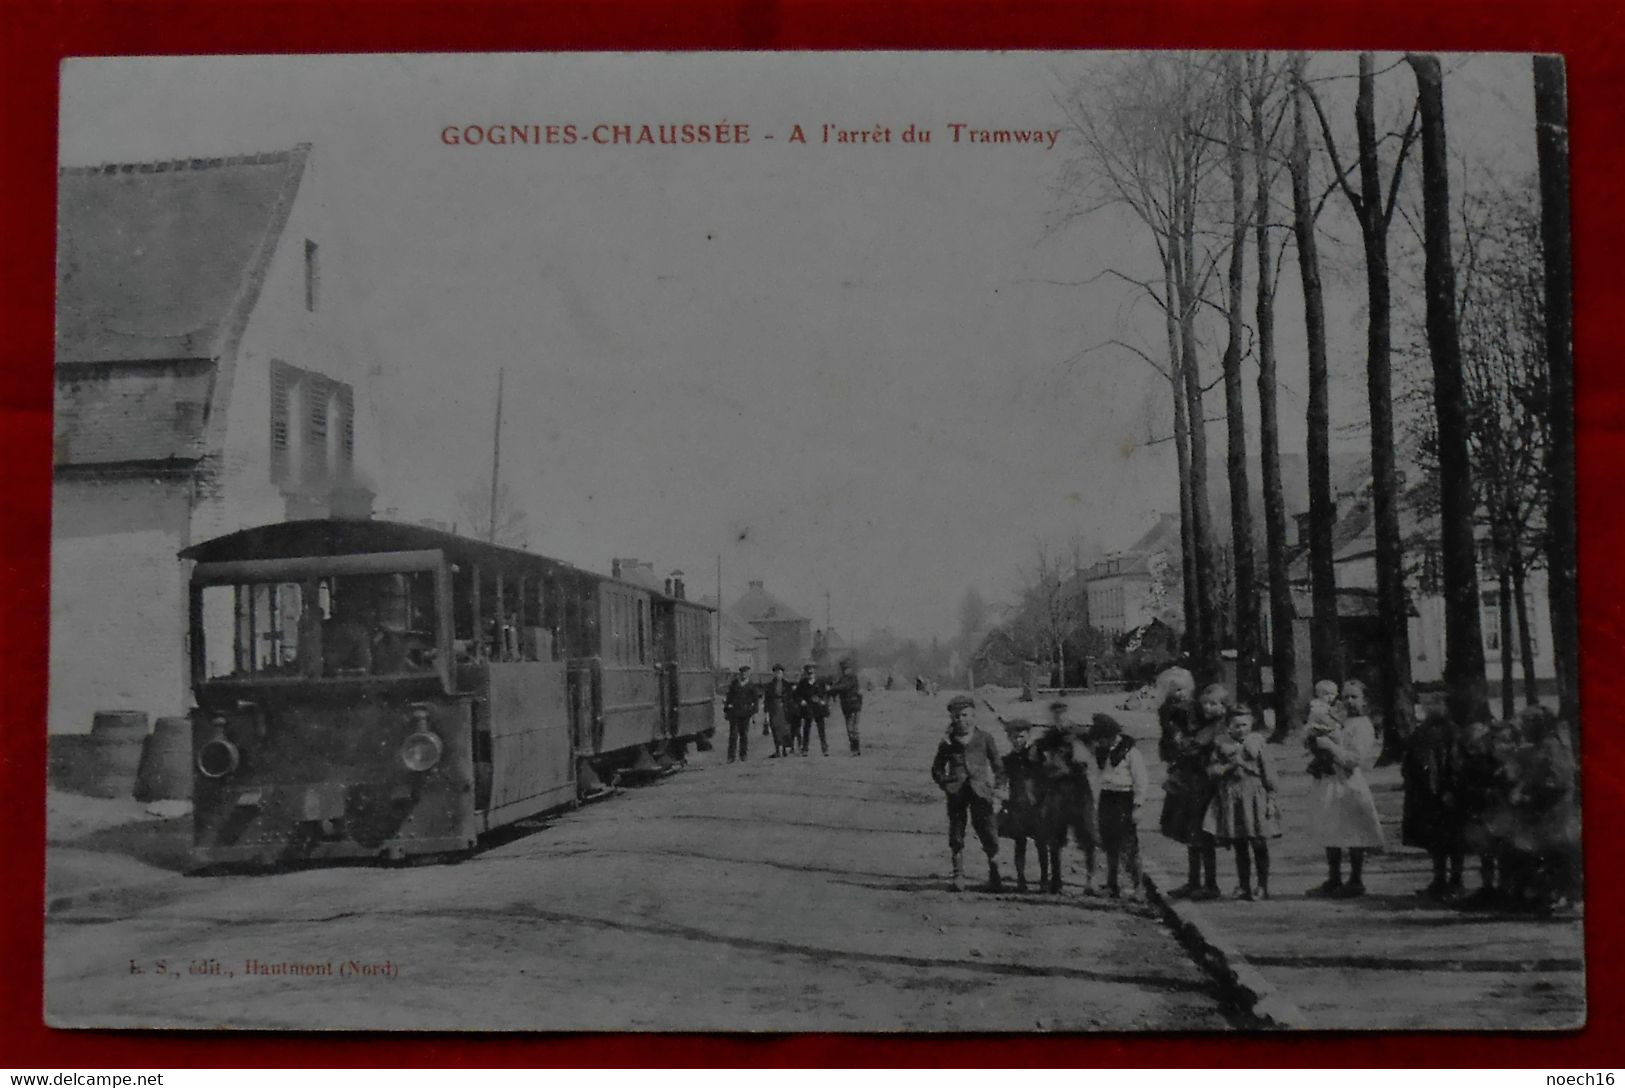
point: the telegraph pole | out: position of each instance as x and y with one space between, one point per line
496 460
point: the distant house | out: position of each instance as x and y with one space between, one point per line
789 633
1354 553
202 385
1128 590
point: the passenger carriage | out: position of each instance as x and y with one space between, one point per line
370 689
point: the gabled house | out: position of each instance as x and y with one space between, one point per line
1354 552
1131 588
789 633
203 384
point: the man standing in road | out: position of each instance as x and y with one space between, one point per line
739 706
812 702
848 689
968 770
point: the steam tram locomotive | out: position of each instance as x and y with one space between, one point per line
370 689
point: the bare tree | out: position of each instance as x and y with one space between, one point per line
1464 640
1144 128
1248 683
1263 101
1325 641
1552 149
973 613
512 527
1051 606
1374 209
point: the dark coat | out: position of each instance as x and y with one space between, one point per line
778 696
740 700
975 764
1024 809
812 698
1433 774
849 690
1185 746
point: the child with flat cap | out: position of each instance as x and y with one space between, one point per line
968 770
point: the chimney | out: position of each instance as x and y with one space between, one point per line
615 568
668 588
677 585
756 583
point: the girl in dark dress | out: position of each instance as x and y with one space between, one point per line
1433 818
1188 733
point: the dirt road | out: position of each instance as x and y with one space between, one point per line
806 894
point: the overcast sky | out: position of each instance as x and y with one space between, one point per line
842 368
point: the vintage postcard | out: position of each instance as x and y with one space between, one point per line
790 542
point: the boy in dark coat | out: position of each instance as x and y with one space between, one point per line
1021 818
969 772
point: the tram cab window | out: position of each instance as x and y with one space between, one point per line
377 624
255 629
332 625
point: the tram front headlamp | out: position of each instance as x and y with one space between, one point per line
421 751
217 758
422 748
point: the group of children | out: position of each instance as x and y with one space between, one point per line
1501 790
1505 791
1064 779
1220 788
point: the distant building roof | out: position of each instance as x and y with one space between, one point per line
759 606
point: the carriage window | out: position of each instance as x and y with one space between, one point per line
643 622
255 629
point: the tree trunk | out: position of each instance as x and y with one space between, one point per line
1206 658
1283 657
1182 456
1248 680
1464 640
1552 148
1325 641
1526 641
1508 686
1394 694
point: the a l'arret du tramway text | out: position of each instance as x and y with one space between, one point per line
736 134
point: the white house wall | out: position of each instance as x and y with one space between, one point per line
280 327
118 627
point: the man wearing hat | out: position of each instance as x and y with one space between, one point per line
739 706
812 702
1122 792
968 770
848 689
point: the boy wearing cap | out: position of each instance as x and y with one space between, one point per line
1122 792
739 706
968 770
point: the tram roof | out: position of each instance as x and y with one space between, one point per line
358 536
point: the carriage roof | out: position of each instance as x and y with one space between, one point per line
341 536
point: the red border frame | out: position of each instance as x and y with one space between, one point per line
36 34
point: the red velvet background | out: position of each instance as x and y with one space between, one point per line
36 34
